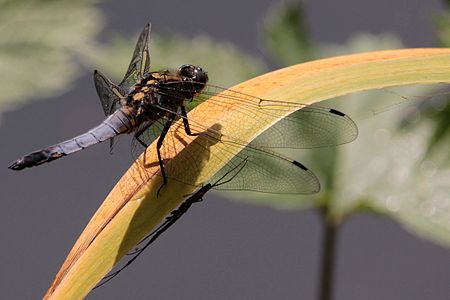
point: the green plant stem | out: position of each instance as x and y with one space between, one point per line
329 239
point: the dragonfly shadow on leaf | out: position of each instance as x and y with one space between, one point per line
218 180
184 158
177 187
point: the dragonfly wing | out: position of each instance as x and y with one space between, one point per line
152 131
299 126
140 62
267 172
109 93
309 127
304 127
251 169
110 97
264 171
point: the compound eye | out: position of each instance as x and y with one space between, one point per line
185 67
186 70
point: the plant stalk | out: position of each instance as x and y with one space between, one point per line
328 257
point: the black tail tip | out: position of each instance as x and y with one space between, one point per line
17 165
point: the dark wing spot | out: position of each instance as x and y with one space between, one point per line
336 112
299 165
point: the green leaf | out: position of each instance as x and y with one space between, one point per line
39 41
285 33
389 169
439 113
361 42
441 132
442 24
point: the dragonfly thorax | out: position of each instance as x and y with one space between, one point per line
164 92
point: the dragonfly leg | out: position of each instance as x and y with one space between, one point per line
140 132
137 136
187 129
112 143
158 150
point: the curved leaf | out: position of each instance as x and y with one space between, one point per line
132 208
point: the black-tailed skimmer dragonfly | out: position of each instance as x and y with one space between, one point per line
148 103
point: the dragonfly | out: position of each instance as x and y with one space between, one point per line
222 178
148 104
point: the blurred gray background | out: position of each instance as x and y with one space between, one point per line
221 249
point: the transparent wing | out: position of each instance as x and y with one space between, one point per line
265 171
309 126
140 62
147 137
110 96
109 93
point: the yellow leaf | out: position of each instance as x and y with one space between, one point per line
132 209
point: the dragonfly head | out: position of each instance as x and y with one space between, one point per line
194 75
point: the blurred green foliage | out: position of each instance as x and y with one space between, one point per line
442 24
171 51
285 33
44 44
39 41
392 169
